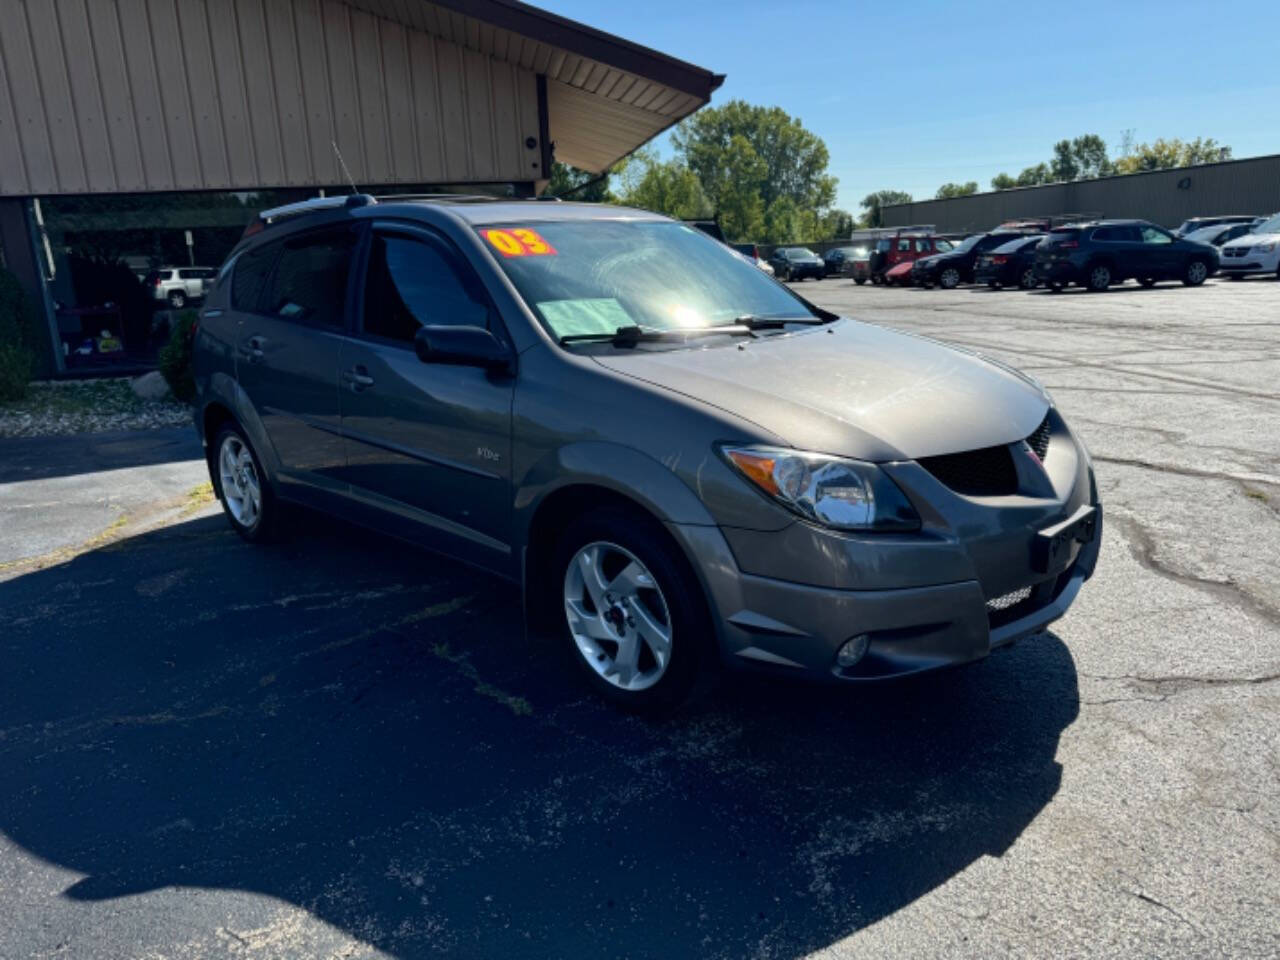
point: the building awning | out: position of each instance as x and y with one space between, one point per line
136 96
606 96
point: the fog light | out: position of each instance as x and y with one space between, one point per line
853 650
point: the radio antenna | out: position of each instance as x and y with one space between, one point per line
345 172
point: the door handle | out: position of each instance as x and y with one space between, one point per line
357 378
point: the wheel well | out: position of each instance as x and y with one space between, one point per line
215 415
557 510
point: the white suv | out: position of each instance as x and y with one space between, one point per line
178 285
1256 252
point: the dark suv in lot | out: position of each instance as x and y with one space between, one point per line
1096 255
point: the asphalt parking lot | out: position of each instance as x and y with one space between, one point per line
339 747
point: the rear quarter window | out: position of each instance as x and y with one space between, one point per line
249 275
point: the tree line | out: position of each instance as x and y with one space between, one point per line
1085 157
756 170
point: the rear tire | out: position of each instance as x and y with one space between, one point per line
1099 278
625 587
1028 279
1195 273
177 299
241 484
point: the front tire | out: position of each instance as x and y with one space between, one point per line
860 280
1195 273
241 485
635 622
949 279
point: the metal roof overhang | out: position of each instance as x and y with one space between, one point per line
605 96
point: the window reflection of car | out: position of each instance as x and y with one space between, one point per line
752 253
176 286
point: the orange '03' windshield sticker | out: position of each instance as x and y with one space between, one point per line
519 242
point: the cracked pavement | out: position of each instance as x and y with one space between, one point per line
339 747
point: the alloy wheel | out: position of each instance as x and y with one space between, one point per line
1100 278
618 617
950 278
1028 279
241 487
1197 272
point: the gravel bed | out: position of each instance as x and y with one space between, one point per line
87 406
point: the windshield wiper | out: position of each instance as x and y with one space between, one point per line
630 336
752 322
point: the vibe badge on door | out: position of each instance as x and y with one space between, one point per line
519 242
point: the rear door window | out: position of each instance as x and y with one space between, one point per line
250 277
309 283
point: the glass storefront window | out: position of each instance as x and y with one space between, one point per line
118 266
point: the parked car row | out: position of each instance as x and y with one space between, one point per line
1094 254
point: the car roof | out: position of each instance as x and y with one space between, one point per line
508 211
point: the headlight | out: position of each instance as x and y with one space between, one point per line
835 492
1265 247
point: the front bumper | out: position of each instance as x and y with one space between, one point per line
787 601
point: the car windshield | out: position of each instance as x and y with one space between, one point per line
969 243
1269 226
586 277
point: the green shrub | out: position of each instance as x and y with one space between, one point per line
17 361
175 357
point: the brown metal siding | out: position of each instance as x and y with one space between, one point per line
1166 197
140 95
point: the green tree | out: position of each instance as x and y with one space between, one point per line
1002 181
760 168
1034 176
17 319
1090 154
835 225
873 203
1063 165
565 178
949 190
664 187
1167 154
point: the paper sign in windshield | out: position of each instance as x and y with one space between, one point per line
569 318
519 242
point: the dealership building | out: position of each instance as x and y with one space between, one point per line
1167 197
139 137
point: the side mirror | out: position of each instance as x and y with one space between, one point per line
462 346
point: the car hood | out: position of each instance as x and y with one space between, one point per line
1252 240
852 389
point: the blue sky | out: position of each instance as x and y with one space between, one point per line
910 96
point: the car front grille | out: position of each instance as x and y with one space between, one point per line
1235 251
1011 599
976 473
1039 441
988 472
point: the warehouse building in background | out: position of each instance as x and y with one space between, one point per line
1166 197
139 137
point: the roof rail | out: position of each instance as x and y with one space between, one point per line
315 203
455 197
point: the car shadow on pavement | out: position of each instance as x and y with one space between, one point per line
365 732
40 458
